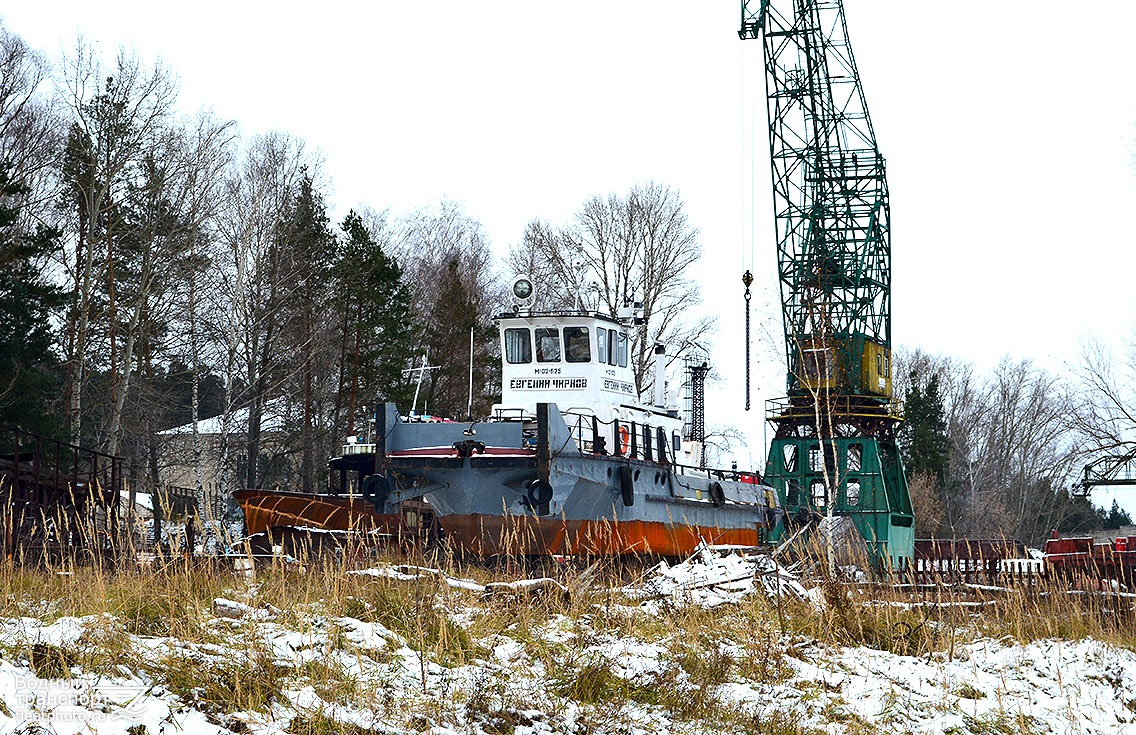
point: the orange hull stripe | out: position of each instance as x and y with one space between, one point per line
491 535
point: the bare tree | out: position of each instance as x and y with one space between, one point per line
926 504
621 249
1012 446
428 239
1023 446
119 118
541 257
254 282
166 208
29 121
1105 408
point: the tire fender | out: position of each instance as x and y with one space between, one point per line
626 485
717 494
539 493
376 489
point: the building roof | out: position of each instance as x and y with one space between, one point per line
273 421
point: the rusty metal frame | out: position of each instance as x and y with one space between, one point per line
58 501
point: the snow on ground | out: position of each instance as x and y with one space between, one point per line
986 686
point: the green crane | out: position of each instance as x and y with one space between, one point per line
834 449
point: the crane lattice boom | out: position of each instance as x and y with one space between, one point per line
830 199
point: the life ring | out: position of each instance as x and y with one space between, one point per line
540 492
717 494
626 485
376 489
624 439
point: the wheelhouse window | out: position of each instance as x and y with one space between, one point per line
576 347
620 349
518 347
547 344
601 345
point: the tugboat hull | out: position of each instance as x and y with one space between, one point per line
547 497
608 474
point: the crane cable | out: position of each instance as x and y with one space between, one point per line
749 134
747 279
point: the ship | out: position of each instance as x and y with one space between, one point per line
570 462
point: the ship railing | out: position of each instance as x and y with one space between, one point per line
512 414
636 440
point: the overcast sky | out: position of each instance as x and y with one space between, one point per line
1008 128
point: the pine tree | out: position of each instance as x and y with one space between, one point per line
923 438
29 370
377 325
925 446
309 245
1117 517
453 319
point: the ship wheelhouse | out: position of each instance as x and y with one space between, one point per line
578 360
581 361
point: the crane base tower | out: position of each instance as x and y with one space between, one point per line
843 460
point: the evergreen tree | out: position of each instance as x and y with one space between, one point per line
923 438
925 447
309 245
1116 517
29 375
452 320
436 247
377 330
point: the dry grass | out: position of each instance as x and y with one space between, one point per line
249 680
937 620
317 723
700 650
175 599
